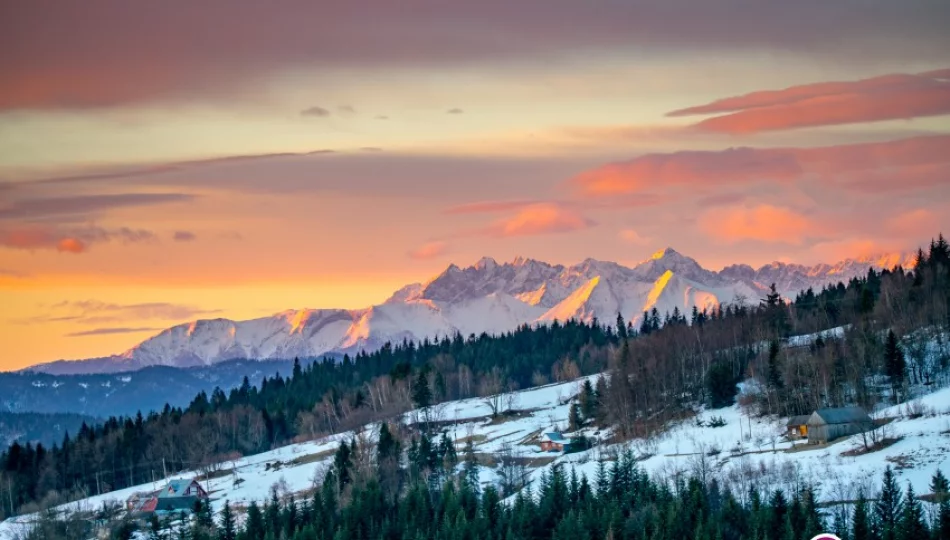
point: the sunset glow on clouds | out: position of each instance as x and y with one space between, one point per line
259 159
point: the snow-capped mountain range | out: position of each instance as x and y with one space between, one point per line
486 297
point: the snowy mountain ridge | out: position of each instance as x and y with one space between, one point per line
486 297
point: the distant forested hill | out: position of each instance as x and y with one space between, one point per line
47 429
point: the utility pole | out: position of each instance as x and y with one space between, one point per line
164 470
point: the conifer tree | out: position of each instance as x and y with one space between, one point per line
895 365
911 525
470 470
254 523
227 529
889 507
940 487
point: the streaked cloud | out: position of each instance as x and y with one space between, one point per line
113 330
924 160
429 250
455 110
541 218
83 205
487 207
315 111
74 240
184 236
122 54
888 97
98 312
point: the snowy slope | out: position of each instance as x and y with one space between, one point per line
487 297
744 450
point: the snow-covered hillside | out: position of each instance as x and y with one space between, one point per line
485 297
744 451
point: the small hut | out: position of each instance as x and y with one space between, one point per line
797 427
553 442
828 424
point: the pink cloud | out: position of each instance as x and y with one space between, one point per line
487 207
856 248
429 250
735 165
123 54
914 223
633 237
541 218
68 240
764 222
888 97
925 161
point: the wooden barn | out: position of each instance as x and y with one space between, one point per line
797 427
826 425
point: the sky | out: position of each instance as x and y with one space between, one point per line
176 160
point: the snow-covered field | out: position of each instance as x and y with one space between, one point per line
743 451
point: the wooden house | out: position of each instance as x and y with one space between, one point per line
554 442
828 424
176 496
797 427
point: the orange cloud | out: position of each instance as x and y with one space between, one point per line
735 165
70 240
71 245
541 218
914 222
764 222
858 248
869 165
888 97
429 250
633 237
486 207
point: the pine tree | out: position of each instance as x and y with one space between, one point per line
912 525
342 464
574 419
861 521
421 394
470 470
940 487
894 364
774 367
254 523
889 506
589 401
227 529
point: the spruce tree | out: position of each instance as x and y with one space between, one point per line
227 529
895 365
861 526
940 487
889 507
254 523
912 525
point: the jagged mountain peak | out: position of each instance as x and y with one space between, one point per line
485 263
487 296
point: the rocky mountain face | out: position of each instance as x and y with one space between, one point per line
489 297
